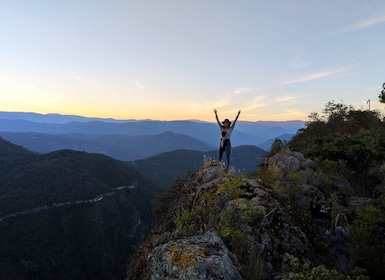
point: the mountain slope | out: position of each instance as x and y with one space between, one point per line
12 151
121 147
70 215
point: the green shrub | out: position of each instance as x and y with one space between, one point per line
232 187
294 177
184 221
322 273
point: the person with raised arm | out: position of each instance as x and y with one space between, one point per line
226 128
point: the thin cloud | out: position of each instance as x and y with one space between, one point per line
318 75
137 85
365 24
243 90
249 101
84 81
286 98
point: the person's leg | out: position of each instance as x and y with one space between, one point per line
228 151
341 259
221 150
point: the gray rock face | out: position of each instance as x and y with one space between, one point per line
197 257
220 221
290 162
285 163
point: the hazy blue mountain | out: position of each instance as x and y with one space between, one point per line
267 144
121 147
50 118
246 133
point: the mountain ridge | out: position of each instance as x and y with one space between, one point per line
245 133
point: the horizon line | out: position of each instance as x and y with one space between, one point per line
128 120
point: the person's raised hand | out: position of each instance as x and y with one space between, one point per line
215 111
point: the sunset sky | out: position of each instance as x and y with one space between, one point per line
180 59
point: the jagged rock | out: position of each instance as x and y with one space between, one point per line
285 163
290 162
258 225
211 172
307 164
197 257
298 155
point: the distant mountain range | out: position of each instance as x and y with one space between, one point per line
132 139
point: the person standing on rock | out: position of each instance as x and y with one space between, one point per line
341 242
226 128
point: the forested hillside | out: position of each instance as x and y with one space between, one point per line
69 215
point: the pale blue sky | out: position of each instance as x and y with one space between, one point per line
180 59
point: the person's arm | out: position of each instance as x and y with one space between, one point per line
345 233
216 117
337 237
236 118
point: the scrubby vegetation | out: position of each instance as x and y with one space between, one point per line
347 150
350 143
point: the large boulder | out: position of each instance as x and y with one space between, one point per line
290 161
197 257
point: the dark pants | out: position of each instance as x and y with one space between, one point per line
226 148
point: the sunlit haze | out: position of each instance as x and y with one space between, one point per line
178 60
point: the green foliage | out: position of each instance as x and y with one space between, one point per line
349 145
322 273
226 227
50 208
210 202
184 221
288 189
367 248
334 110
164 200
254 267
305 272
345 135
277 146
232 186
267 175
332 168
295 177
251 214
381 96
62 176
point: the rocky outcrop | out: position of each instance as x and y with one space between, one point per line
219 220
290 162
197 257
